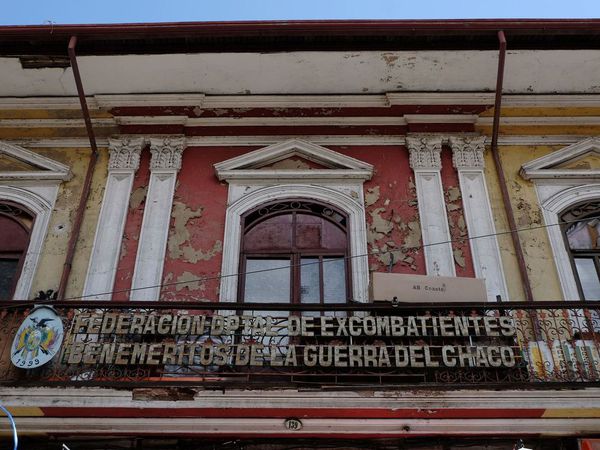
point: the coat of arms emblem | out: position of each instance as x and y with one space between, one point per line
38 338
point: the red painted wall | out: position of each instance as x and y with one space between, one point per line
193 257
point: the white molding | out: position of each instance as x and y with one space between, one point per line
302 101
332 194
45 103
426 164
467 158
285 398
283 150
558 189
542 120
123 163
113 101
335 185
102 401
440 118
265 140
51 169
38 199
164 165
36 190
552 206
543 167
281 175
311 426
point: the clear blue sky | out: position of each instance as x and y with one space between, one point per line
34 12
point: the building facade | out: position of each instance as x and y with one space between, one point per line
276 185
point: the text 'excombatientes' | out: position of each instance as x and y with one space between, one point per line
291 341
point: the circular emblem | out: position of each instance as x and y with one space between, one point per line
293 424
38 338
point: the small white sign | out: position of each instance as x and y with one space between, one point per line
293 424
38 338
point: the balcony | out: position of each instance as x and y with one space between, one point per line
375 346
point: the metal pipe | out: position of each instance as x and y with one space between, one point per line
500 171
87 184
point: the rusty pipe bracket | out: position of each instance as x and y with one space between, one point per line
85 194
500 171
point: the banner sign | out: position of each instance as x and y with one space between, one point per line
359 341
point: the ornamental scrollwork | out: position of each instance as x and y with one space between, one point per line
166 153
467 152
125 153
425 152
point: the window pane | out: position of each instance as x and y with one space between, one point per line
309 281
334 279
584 235
8 268
317 233
272 234
271 286
588 277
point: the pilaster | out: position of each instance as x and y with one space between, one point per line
123 162
164 165
425 160
468 159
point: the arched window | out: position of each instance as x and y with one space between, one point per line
294 251
582 237
15 228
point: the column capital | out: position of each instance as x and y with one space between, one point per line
125 153
424 152
166 152
467 152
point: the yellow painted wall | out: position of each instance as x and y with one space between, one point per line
529 219
60 228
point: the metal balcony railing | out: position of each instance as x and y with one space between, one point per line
505 345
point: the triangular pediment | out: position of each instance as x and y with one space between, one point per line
294 163
293 158
19 163
580 160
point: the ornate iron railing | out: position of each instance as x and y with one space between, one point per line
372 346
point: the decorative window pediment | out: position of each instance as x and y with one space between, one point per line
17 163
30 180
577 161
295 170
306 160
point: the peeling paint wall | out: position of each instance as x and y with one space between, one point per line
133 226
195 242
54 251
461 249
538 254
393 228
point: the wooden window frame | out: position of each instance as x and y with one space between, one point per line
12 210
295 207
574 214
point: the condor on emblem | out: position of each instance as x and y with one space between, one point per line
38 338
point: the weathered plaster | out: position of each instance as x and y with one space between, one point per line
536 246
53 254
393 229
461 251
179 245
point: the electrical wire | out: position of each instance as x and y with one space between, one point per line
364 255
